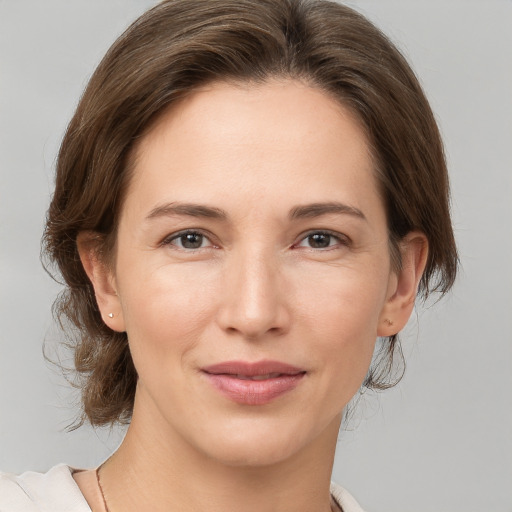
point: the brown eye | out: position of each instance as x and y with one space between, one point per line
319 240
323 240
189 240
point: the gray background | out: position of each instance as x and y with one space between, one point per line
441 440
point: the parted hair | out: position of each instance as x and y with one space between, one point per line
181 45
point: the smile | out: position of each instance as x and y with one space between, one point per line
258 377
253 383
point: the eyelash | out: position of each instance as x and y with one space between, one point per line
176 236
342 240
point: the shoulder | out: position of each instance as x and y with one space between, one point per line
346 501
54 491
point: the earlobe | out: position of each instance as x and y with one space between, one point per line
102 279
404 285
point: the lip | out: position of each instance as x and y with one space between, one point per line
236 380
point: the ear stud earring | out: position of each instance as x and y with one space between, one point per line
388 321
111 315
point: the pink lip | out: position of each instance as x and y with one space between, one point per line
232 379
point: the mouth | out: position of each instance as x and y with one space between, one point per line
256 377
253 383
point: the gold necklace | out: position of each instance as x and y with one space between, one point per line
334 504
101 488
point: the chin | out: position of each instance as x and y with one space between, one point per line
252 454
267 443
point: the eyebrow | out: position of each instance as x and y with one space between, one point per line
188 209
310 211
307 211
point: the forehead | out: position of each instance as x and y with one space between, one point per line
280 135
246 111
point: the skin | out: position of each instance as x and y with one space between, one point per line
259 286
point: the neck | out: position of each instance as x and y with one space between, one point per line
157 469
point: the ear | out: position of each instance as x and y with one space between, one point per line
403 285
102 278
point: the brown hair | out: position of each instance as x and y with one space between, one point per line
180 45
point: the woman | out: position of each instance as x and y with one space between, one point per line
249 194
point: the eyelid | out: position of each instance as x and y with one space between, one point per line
343 240
167 240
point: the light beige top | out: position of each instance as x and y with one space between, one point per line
57 491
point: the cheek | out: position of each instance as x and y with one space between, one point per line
342 312
165 312
347 300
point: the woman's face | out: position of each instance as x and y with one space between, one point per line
252 270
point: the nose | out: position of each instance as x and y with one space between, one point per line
254 301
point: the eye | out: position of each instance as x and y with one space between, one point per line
188 240
322 240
